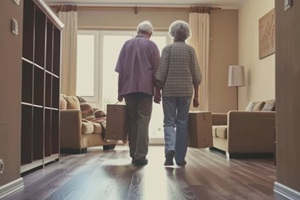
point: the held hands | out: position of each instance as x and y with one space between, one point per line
195 102
157 97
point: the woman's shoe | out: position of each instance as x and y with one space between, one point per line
181 163
169 158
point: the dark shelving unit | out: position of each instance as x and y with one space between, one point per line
40 85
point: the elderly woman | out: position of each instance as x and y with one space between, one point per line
178 76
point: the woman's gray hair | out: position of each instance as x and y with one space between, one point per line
179 30
145 27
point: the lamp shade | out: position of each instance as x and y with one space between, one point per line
236 75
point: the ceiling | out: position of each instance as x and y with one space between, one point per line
219 3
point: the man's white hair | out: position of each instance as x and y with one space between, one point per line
145 27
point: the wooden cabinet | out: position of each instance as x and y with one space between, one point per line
40 85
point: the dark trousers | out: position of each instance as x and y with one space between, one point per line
139 109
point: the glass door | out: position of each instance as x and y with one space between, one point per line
101 49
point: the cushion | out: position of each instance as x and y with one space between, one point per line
72 102
87 127
62 103
220 131
258 106
269 105
97 128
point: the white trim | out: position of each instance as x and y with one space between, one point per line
285 192
49 12
29 166
11 187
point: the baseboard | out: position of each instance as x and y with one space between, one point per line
250 155
11 187
243 155
285 193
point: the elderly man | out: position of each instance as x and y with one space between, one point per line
137 64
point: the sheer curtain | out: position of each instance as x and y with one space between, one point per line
68 15
199 24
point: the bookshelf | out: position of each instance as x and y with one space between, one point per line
40 85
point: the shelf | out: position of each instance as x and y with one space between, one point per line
53 157
26 136
49 50
55 92
38 133
27 74
39 33
32 165
48 131
40 85
55 131
28 22
48 91
56 51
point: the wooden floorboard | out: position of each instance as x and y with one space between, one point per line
99 174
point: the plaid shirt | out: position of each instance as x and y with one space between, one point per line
178 70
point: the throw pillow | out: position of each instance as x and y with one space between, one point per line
81 100
99 113
258 106
62 103
269 105
72 102
87 111
250 106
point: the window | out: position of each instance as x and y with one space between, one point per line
87 65
112 43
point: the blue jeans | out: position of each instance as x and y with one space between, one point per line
176 118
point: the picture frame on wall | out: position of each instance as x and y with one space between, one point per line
267 34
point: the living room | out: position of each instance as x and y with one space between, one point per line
234 39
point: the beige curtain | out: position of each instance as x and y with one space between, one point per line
68 15
199 24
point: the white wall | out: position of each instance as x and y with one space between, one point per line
260 74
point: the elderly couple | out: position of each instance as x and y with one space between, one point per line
144 74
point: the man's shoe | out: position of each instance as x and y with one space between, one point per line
169 158
140 162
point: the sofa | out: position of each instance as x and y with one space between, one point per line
248 133
81 126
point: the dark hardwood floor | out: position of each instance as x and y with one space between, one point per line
100 174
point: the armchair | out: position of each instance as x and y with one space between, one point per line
81 126
244 133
